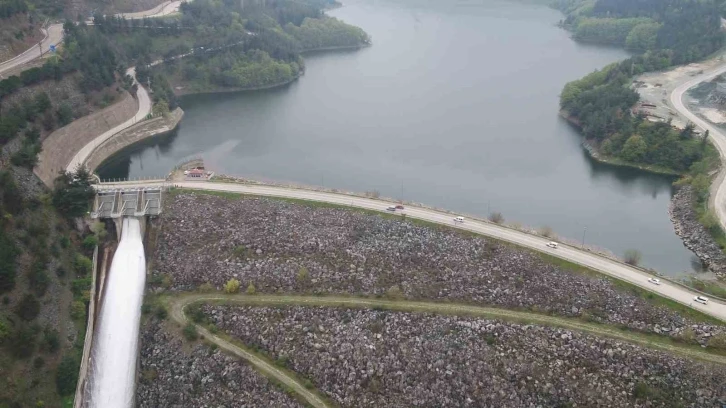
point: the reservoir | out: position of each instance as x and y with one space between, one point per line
456 106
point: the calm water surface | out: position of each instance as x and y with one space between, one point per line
455 105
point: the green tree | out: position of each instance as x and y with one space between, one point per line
28 308
72 193
634 149
66 376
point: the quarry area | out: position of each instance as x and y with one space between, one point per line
366 357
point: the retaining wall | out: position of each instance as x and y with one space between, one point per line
136 133
60 146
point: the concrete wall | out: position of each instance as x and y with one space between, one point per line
60 146
136 133
90 328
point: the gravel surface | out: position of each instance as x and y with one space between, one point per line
169 376
369 358
286 247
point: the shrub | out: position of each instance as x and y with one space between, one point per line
22 341
251 290
687 336
64 241
718 341
51 340
90 242
196 314
38 362
546 232
8 254
78 310
38 279
66 376
303 274
4 330
394 292
496 217
240 252
28 308
160 312
99 229
82 265
206 287
632 257
190 332
232 286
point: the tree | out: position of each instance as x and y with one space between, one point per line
232 286
72 193
634 149
496 217
66 376
251 290
64 113
632 257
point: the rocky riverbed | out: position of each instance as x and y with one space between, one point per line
286 247
370 358
173 374
694 235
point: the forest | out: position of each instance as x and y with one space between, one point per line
667 33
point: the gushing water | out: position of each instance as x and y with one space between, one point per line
113 361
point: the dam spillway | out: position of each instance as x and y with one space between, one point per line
115 347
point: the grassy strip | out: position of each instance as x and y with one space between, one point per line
648 296
286 379
653 341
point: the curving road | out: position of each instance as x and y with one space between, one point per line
601 264
53 35
718 190
144 101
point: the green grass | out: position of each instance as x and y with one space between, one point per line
712 288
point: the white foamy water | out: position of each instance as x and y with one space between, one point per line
115 348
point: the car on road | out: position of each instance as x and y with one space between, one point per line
552 244
701 299
391 208
654 281
458 219
399 207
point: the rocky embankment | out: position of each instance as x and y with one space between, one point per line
172 374
694 235
284 247
370 358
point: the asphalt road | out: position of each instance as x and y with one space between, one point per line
718 190
599 263
53 35
144 109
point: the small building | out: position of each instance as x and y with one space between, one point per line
196 173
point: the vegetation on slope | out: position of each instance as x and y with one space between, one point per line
667 33
44 284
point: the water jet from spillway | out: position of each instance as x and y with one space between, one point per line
116 343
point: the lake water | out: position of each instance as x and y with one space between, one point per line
455 105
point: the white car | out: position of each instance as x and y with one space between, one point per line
552 245
654 281
391 208
701 299
459 219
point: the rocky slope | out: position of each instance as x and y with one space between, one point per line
170 376
694 235
369 358
280 246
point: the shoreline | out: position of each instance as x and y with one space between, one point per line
184 92
595 155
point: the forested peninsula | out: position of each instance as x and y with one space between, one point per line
662 33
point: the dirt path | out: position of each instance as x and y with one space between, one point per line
179 302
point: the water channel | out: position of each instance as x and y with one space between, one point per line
455 105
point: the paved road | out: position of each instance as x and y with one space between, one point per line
718 192
569 253
53 35
144 109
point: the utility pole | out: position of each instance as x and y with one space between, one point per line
583 237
